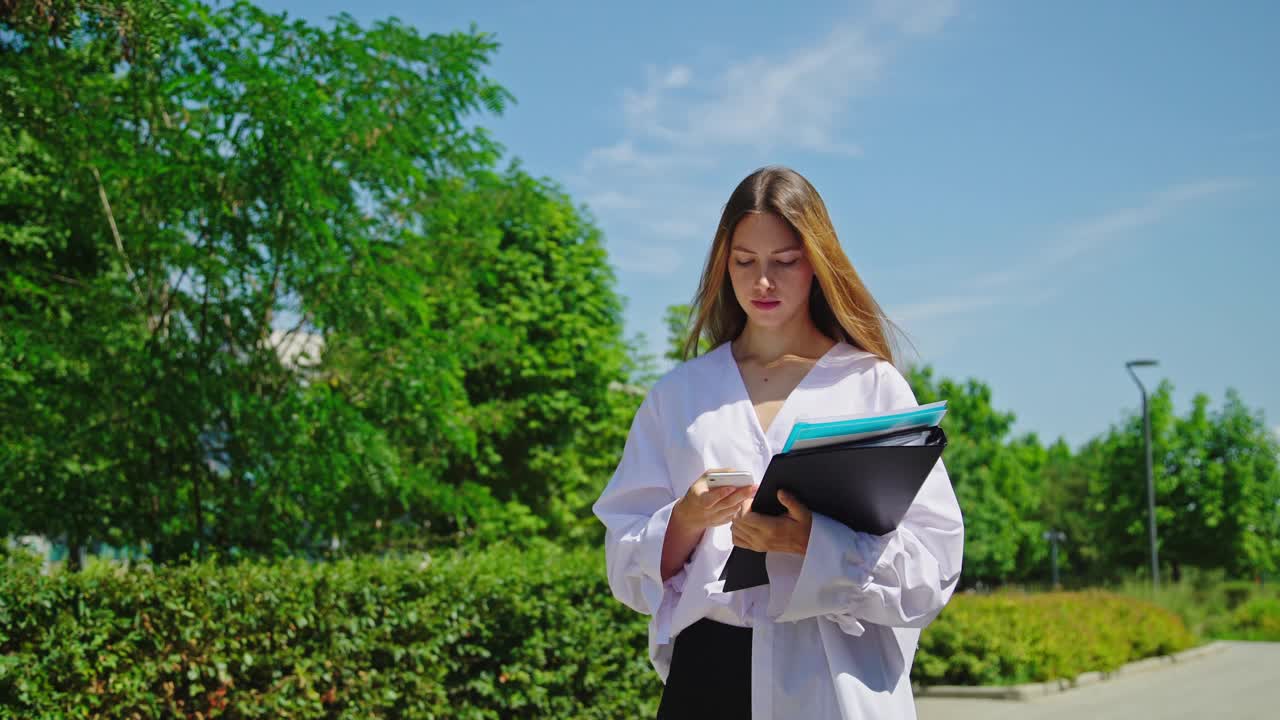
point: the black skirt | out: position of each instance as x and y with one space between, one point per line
710 673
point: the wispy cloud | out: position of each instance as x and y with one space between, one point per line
1118 225
678 228
941 307
612 200
1124 223
1028 281
652 259
643 108
684 121
797 99
915 17
625 157
966 301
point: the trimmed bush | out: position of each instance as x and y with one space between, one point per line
1009 638
498 633
1213 607
1256 619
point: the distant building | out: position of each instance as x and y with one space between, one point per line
297 349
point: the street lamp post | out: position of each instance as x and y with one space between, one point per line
1151 490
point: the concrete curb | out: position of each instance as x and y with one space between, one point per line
1034 690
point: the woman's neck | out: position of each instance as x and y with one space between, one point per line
767 345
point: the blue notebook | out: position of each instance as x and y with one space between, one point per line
818 432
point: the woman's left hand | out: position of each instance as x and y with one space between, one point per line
787 533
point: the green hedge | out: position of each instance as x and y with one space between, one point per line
500 633
1010 638
496 634
1214 607
1255 619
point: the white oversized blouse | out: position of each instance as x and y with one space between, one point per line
835 631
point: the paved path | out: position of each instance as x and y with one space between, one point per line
1241 682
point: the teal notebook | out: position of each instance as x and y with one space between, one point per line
818 432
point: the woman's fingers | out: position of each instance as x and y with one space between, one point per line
716 506
743 536
731 499
727 514
713 500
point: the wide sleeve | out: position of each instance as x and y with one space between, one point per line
900 579
635 508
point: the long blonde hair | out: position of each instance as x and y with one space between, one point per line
839 303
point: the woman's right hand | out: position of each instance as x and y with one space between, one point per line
700 508
703 507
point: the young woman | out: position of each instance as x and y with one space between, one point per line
795 334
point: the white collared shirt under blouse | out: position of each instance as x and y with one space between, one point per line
835 631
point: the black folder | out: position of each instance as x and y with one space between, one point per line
865 484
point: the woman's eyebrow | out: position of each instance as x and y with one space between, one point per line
790 248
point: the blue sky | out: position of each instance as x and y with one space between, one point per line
1036 192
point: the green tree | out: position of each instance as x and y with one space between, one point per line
1217 488
186 193
679 319
997 480
76 310
1065 508
537 333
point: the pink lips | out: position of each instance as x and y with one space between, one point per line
766 304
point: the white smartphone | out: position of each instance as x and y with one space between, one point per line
730 478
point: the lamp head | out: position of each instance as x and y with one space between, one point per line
1140 363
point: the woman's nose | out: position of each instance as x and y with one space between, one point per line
762 280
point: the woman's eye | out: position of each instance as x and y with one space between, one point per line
742 263
792 261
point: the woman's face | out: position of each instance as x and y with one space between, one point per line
770 272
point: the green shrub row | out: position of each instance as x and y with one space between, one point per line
1255 619
1216 608
498 633
494 634
1011 638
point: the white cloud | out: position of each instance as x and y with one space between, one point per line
1118 225
915 17
612 200
682 118
941 307
649 259
1028 281
643 108
798 100
678 77
677 228
625 157
623 153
